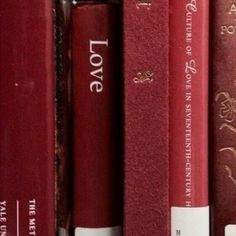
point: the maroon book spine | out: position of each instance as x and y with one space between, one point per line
27 145
97 129
223 118
189 117
146 117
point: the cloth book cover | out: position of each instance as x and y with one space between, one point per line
97 118
27 144
188 115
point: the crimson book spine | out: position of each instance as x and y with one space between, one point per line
222 118
189 117
97 127
27 145
146 117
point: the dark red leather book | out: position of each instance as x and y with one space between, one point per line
97 128
189 117
27 145
146 117
63 134
222 118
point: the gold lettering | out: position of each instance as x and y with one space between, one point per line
144 4
232 9
144 77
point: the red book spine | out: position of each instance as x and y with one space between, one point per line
222 118
96 87
27 145
146 117
189 118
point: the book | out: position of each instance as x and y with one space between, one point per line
63 117
145 29
97 115
222 118
27 143
189 118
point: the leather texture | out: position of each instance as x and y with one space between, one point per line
146 118
63 125
222 116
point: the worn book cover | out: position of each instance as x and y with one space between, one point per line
145 27
222 117
63 117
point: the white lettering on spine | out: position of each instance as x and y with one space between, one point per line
96 61
32 217
3 218
190 69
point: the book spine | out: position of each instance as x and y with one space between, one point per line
97 106
189 118
222 118
27 143
146 117
63 109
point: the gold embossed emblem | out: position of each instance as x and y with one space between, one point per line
227 168
228 106
144 4
144 77
230 174
227 112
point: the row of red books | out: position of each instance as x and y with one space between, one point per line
117 118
